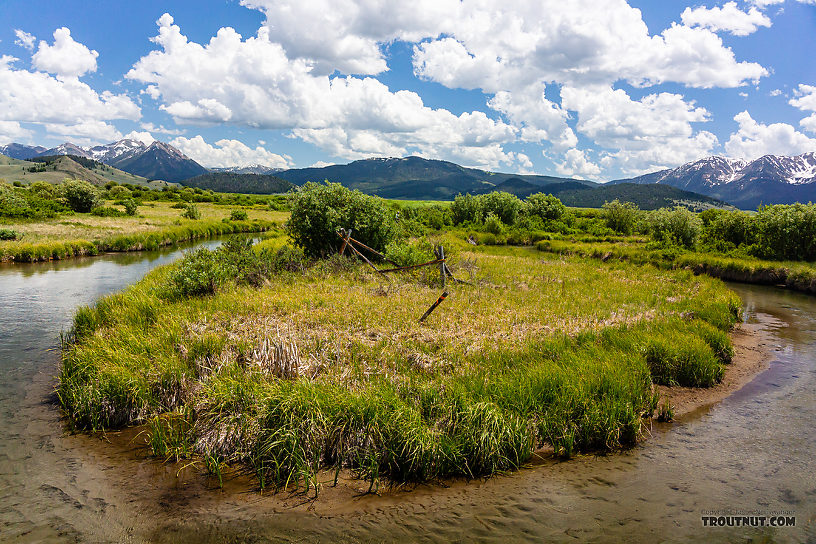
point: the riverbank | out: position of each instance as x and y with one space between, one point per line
158 224
752 354
797 276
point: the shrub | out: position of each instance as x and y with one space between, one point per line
320 210
545 206
467 209
503 205
117 192
787 232
724 227
130 206
106 211
409 254
493 224
238 215
8 234
80 195
191 212
43 190
200 272
679 226
620 216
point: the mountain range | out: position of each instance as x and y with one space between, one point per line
158 160
771 179
56 168
413 178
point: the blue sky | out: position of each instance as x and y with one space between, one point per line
592 89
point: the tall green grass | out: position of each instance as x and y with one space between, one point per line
46 251
413 402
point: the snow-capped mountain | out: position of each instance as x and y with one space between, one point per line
66 149
21 151
771 179
260 169
117 151
156 161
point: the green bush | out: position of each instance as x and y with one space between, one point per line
130 206
200 272
505 206
8 234
80 195
409 254
238 215
786 232
117 192
320 210
467 209
106 211
191 212
620 216
22 203
493 224
545 206
679 226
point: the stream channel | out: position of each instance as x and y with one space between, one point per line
754 453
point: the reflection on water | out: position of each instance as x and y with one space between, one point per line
751 452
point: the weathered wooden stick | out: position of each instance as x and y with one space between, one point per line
346 239
399 269
363 257
372 250
442 297
454 278
441 255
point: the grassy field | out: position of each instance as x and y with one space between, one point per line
326 367
799 276
157 223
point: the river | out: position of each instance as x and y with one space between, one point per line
753 452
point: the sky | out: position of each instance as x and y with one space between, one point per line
597 90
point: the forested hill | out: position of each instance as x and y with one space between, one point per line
230 182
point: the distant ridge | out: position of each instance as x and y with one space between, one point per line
231 182
771 179
413 178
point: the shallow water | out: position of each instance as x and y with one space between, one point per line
752 452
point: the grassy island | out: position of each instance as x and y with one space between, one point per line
272 358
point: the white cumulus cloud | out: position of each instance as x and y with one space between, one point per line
24 39
754 139
37 97
12 131
66 57
227 153
639 135
728 18
252 82
809 123
85 132
576 164
804 98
